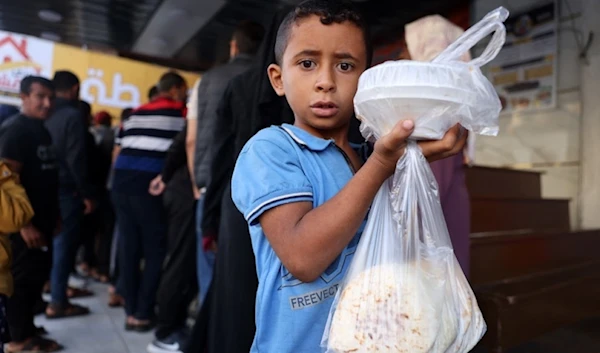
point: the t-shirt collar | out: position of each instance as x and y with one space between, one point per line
304 138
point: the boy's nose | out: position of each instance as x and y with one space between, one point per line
325 83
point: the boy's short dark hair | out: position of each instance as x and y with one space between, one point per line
64 80
248 35
169 80
330 11
28 81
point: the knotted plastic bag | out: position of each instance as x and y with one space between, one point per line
404 291
439 94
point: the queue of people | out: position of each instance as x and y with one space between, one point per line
194 197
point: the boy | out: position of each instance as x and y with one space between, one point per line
303 189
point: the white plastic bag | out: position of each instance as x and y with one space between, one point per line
438 94
404 291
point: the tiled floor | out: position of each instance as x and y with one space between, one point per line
100 332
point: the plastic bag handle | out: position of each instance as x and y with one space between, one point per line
492 22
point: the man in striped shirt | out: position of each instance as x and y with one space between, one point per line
146 136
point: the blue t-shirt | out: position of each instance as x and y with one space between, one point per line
281 165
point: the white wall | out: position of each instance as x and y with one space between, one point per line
549 140
590 122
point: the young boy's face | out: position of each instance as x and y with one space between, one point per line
319 72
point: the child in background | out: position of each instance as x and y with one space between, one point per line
15 212
303 188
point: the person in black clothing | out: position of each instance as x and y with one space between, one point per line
92 221
67 128
226 320
104 137
26 147
178 285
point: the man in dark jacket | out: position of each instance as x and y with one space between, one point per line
67 128
202 120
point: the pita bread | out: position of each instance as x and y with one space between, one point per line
398 309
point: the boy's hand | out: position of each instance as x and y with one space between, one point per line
453 142
390 147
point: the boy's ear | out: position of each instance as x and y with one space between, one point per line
274 72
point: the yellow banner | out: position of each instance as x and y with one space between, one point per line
108 82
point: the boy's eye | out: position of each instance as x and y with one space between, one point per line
345 66
307 64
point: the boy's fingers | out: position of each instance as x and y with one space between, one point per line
397 138
462 141
453 142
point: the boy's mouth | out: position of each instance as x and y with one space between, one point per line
324 109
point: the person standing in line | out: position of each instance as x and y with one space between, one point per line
104 139
153 93
68 131
16 213
115 289
26 148
178 285
144 142
91 222
201 128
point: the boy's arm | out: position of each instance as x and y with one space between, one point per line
308 240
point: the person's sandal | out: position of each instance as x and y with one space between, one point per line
115 301
145 327
73 292
142 327
40 331
36 345
63 311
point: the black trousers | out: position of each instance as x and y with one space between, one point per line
178 285
142 234
226 321
89 234
30 269
106 230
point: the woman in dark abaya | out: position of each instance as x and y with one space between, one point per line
226 320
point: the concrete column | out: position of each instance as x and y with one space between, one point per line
590 120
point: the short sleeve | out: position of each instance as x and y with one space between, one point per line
268 174
12 145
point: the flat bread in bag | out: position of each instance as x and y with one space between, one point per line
367 318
